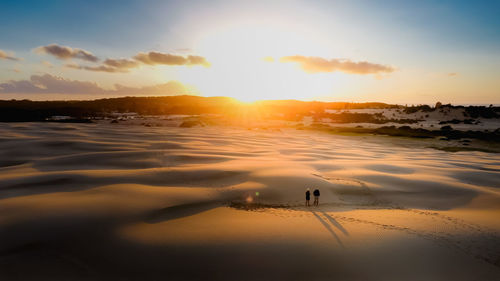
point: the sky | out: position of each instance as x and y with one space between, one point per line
406 52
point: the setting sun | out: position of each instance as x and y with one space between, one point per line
237 64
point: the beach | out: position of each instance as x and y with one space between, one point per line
108 201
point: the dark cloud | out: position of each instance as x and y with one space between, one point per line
5 56
317 64
48 84
153 58
65 52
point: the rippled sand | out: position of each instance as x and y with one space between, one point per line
118 202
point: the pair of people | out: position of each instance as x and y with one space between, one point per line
316 197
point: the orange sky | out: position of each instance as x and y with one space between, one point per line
398 52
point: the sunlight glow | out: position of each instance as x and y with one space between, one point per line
244 65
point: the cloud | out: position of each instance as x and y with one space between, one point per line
317 64
197 60
453 74
48 84
65 52
109 65
47 64
153 58
268 59
121 63
99 68
5 56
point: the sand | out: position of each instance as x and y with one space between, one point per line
426 120
123 202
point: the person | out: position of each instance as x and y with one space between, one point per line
308 197
316 197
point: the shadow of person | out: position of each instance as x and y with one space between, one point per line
335 223
329 228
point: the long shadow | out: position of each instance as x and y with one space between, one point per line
329 228
335 223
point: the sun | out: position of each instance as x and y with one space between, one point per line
245 65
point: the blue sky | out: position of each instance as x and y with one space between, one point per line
446 50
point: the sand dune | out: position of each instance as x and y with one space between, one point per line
124 202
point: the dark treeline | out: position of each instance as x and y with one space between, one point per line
26 110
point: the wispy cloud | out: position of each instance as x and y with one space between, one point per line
8 56
268 59
65 52
153 58
48 84
109 65
318 64
47 64
121 63
99 68
453 74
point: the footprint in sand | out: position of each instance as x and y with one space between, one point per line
357 194
471 239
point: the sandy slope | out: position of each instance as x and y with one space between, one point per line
118 202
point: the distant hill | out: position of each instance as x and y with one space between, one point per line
26 110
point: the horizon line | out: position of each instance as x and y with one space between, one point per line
253 102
